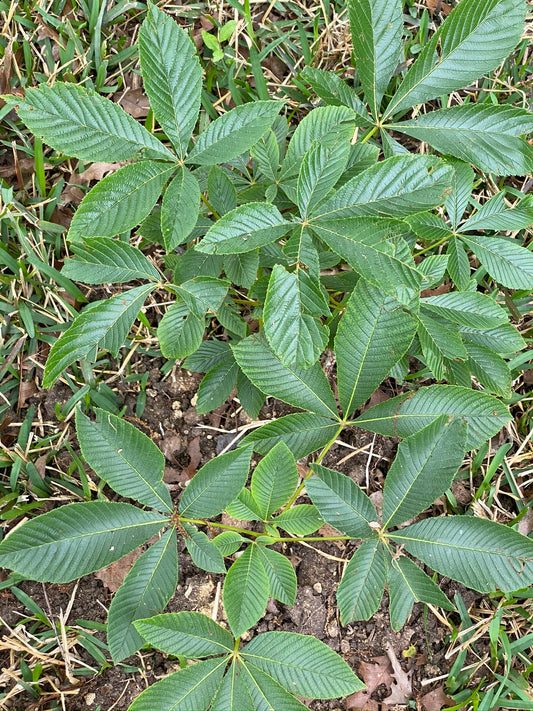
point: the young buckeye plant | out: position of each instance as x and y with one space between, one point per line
315 241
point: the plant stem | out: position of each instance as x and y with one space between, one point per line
211 208
320 458
201 522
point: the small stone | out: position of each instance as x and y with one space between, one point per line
90 699
317 587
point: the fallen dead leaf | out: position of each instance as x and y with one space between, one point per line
401 689
438 6
435 700
112 576
170 445
135 103
96 171
525 525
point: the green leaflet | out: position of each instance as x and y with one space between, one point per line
302 432
423 469
147 587
280 574
363 583
341 502
233 692
473 39
233 133
327 124
179 209
217 384
487 136
322 166
308 389
189 633
222 193
407 414
102 325
302 663
125 458
274 480
507 262
334 91
189 689
408 584
373 335
244 229
203 552
495 214
180 331
120 201
246 591
74 540
216 484
172 76
85 124
376 28
482 554
471 309
456 200
101 260
396 187
295 337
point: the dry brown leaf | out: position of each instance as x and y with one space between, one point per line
435 700
112 576
373 674
169 445
135 103
525 525
401 689
27 389
438 6
96 171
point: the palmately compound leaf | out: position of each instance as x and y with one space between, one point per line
296 337
423 469
104 325
147 587
102 260
376 28
189 689
189 633
485 135
481 554
396 187
363 583
373 335
121 200
234 133
408 584
308 389
303 664
124 457
179 209
172 76
246 591
302 432
404 415
216 484
274 480
341 502
74 540
82 123
473 39
244 229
